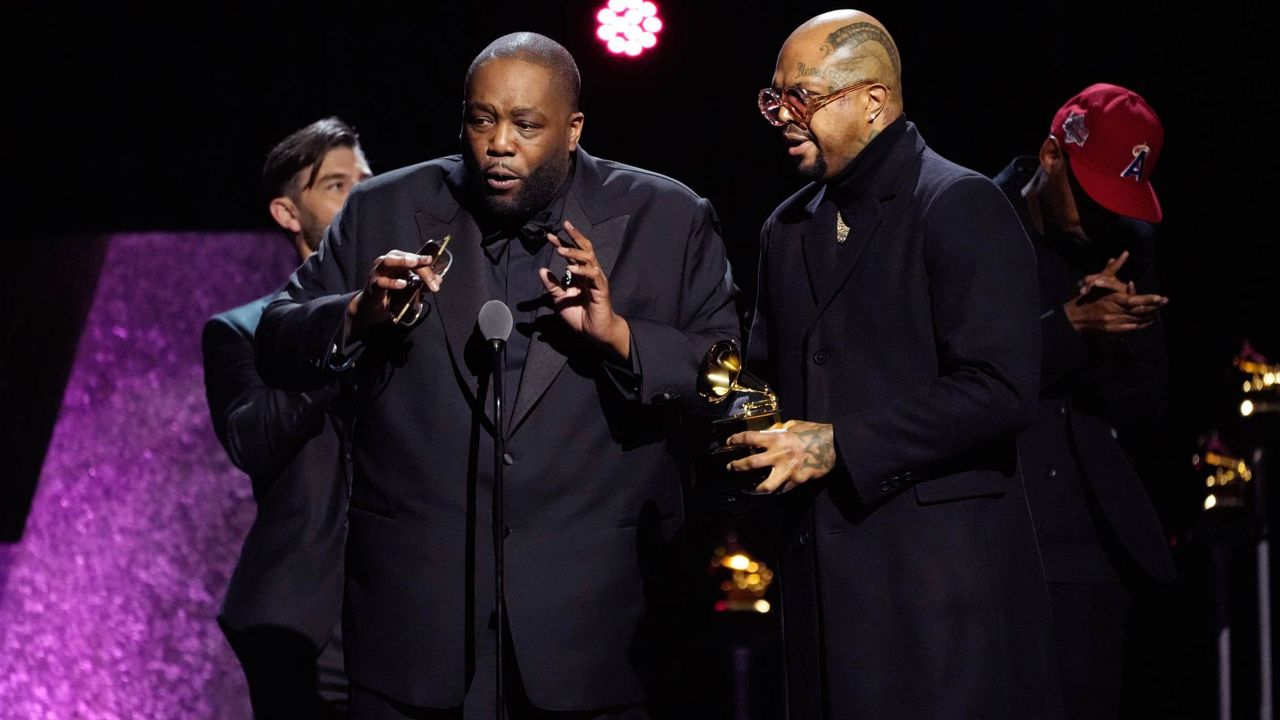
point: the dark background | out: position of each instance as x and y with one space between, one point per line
129 118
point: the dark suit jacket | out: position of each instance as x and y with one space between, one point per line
593 476
911 583
1100 401
290 570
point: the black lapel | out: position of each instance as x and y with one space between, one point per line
809 243
859 240
886 187
544 362
465 287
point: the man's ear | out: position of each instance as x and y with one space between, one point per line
575 129
877 100
1051 156
285 213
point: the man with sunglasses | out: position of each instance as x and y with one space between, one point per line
284 602
896 318
1087 202
618 283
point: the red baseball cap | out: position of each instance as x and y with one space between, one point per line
1112 138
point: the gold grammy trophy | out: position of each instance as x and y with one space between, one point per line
720 377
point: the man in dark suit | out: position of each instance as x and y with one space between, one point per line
896 315
1088 204
618 282
282 610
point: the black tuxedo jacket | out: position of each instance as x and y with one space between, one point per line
593 468
1101 399
912 587
289 575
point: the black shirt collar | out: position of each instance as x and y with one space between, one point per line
1012 179
854 181
1094 255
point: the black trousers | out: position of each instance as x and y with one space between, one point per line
1089 620
480 700
286 677
478 705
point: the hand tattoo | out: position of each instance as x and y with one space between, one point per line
819 448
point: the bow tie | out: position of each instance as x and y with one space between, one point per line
532 234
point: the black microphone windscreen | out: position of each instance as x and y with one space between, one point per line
495 320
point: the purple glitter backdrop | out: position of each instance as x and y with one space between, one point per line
107 605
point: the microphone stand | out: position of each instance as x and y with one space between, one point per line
499 523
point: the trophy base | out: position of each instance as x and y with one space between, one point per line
722 489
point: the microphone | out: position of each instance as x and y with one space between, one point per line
495 322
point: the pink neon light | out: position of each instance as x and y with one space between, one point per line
628 27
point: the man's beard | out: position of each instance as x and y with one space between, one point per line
313 229
540 186
815 172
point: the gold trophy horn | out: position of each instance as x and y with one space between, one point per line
721 375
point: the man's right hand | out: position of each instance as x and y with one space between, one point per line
1107 305
391 272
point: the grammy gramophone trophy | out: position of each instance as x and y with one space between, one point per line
754 407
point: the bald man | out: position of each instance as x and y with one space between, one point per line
896 316
602 353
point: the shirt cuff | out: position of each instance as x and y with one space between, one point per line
626 374
342 353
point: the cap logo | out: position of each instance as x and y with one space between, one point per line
1073 129
1134 171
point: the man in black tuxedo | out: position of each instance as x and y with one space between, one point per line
1087 202
618 282
896 315
282 610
